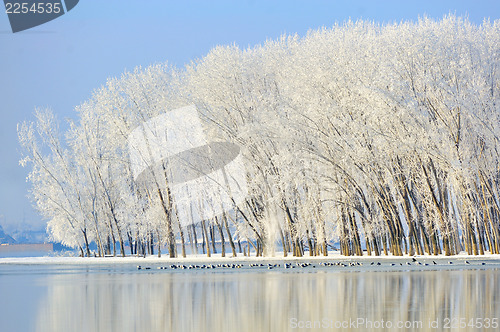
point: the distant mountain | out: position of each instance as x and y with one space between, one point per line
30 236
5 238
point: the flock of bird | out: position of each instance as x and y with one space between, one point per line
269 266
189 267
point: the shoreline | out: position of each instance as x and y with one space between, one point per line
278 257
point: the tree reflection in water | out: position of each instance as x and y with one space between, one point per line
272 301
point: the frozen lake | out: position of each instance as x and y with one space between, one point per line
118 297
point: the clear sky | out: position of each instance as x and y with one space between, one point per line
60 63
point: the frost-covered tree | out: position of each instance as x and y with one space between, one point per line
381 138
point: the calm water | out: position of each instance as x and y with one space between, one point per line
121 298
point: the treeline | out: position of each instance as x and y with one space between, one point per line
382 138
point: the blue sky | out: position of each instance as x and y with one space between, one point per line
60 63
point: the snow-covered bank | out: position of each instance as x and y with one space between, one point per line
333 256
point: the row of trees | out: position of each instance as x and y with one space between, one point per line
382 138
